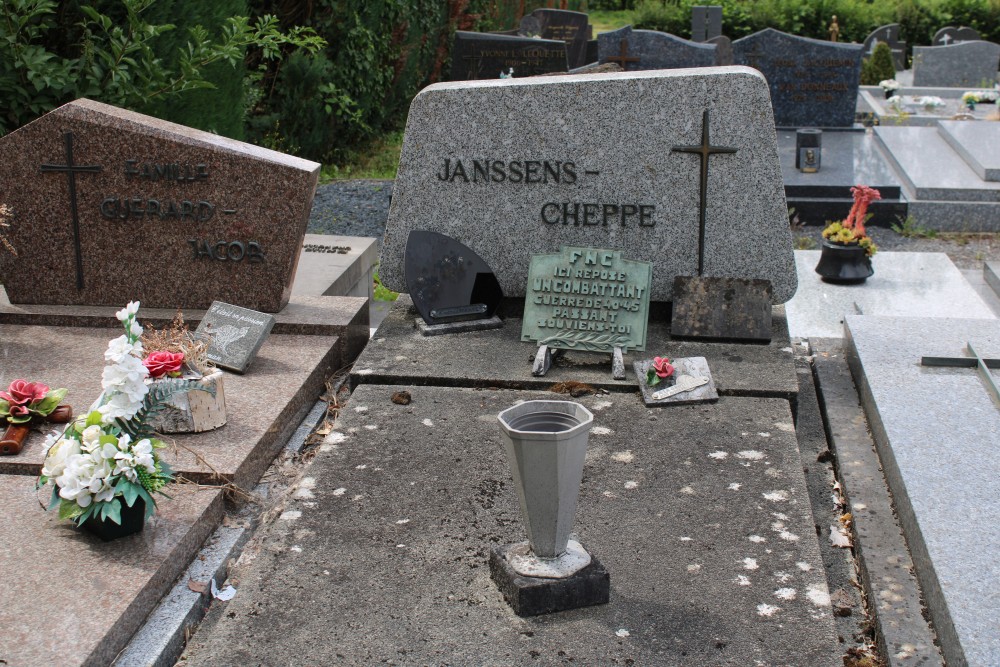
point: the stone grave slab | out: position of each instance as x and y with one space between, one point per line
109 203
936 430
702 520
113 585
654 50
264 406
950 35
336 266
887 34
520 167
976 143
480 55
560 25
967 64
398 353
813 83
906 284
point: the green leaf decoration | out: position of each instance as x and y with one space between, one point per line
588 341
150 503
68 509
93 419
130 493
23 419
4 408
652 379
55 499
114 511
50 402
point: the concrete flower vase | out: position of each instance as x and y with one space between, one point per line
546 444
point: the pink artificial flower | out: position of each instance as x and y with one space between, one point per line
23 393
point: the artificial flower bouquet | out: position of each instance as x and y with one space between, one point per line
889 85
852 230
105 465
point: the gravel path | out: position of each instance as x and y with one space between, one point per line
360 208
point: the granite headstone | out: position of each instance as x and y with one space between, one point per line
236 333
563 26
654 50
723 50
478 55
887 34
813 83
520 167
965 65
949 35
111 206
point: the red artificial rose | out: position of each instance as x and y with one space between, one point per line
17 410
22 392
663 367
163 363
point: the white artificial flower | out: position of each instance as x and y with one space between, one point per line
143 451
128 311
135 330
55 462
91 436
120 349
74 482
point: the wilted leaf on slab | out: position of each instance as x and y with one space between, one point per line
839 538
198 586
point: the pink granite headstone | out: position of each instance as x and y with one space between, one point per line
112 206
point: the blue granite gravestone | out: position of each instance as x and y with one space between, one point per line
813 83
649 49
965 65
477 55
888 34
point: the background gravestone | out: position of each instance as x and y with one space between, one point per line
951 35
968 64
723 50
888 34
706 22
520 167
111 205
477 55
654 50
813 83
560 25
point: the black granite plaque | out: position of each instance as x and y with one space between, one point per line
889 34
949 35
813 83
478 55
722 308
237 334
561 25
447 281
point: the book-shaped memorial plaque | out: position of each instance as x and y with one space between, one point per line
448 282
588 299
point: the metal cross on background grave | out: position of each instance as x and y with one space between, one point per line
705 149
981 365
71 171
623 58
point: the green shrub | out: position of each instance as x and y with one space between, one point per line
879 67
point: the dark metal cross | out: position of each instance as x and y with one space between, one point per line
71 171
623 58
981 365
705 149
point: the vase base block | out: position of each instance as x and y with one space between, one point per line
532 596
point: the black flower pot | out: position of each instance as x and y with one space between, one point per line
133 521
889 93
844 264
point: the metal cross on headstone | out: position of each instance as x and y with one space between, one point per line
705 149
981 365
71 171
623 58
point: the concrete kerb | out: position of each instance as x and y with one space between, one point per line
885 568
163 636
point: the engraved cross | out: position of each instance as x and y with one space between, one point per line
704 150
71 171
976 361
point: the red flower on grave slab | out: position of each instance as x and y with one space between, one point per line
660 369
22 392
164 363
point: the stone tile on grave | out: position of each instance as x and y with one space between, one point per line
202 217
966 64
813 83
650 49
576 135
263 407
66 597
906 284
336 266
936 430
399 354
700 514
